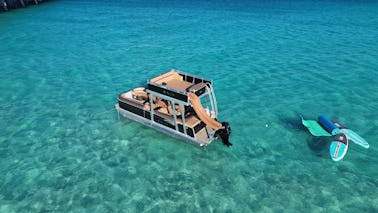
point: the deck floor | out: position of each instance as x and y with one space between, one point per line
202 135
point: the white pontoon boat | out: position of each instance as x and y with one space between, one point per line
178 104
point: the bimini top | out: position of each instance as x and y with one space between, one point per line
177 85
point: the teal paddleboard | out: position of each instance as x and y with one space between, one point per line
338 147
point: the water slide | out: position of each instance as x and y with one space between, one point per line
201 113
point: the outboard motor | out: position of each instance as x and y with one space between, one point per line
224 133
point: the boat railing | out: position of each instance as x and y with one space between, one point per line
213 100
185 76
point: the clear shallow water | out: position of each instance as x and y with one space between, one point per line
63 63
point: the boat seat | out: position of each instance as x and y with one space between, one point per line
125 98
196 87
139 94
177 107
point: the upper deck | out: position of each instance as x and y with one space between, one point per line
178 85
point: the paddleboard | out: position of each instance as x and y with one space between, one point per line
338 147
354 137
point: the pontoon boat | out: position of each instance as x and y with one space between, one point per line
178 104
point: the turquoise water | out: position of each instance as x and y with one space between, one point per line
63 63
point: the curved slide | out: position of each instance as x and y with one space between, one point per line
201 113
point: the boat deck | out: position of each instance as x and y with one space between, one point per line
172 80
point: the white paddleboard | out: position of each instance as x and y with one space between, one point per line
354 137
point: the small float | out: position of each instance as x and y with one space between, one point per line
178 104
326 127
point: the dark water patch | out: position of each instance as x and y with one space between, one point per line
318 145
